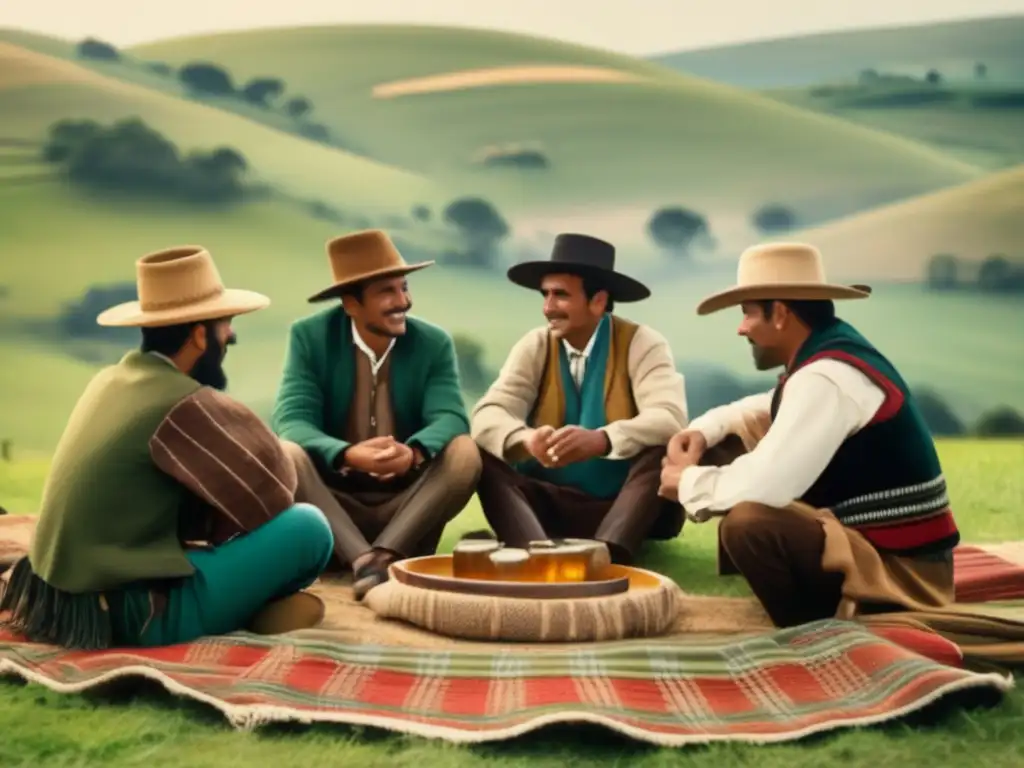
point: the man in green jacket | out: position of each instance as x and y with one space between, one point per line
371 411
169 511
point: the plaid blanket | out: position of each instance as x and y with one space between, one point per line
772 688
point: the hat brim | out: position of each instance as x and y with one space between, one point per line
335 290
230 303
621 288
793 291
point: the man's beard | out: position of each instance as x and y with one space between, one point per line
209 368
765 358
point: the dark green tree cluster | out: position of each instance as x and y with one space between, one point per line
998 273
128 155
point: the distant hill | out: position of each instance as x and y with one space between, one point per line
952 47
544 127
970 222
37 90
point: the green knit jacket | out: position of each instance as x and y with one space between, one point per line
317 386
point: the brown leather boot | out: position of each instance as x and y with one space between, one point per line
299 611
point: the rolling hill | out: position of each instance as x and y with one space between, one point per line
36 90
616 132
951 47
981 124
972 222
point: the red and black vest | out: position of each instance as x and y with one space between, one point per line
885 480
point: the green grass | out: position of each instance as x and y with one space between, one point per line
38 90
952 47
669 138
134 728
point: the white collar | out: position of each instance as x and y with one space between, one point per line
375 364
165 358
586 350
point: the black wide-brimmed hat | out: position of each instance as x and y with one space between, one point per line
584 256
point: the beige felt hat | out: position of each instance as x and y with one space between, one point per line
780 271
180 285
362 256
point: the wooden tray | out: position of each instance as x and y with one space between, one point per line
435 572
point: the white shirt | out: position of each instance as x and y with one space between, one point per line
822 405
578 359
375 363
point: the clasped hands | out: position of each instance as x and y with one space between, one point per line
568 445
685 449
383 458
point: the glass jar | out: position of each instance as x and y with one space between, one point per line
510 564
471 559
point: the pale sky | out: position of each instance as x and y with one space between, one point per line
628 26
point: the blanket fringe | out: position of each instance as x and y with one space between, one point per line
45 614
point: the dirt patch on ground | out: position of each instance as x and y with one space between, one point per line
492 76
20 67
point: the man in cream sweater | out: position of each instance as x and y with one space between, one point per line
573 431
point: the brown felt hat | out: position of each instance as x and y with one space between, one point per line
180 285
362 256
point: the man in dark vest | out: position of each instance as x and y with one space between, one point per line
841 504
573 431
370 409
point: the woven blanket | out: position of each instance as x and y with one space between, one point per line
771 688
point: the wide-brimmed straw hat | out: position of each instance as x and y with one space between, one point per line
580 255
362 256
180 285
781 271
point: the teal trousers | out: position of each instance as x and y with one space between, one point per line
231 582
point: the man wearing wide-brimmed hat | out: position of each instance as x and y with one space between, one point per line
169 511
371 410
574 429
840 504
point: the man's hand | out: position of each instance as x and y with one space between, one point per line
686 447
571 444
536 444
395 461
670 475
370 456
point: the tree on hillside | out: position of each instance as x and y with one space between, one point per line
937 414
91 48
160 68
675 229
943 272
1000 422
298 106
934 77
481 225
773 218
130 156
473 373
421 213
980 71
262 90
999 275
77 319
206 78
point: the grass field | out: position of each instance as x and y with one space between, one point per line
37 90
666 138
972 221
952 47
986 487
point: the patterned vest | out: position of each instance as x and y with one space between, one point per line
885 480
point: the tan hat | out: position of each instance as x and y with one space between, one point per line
180 285
780 271
361 256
